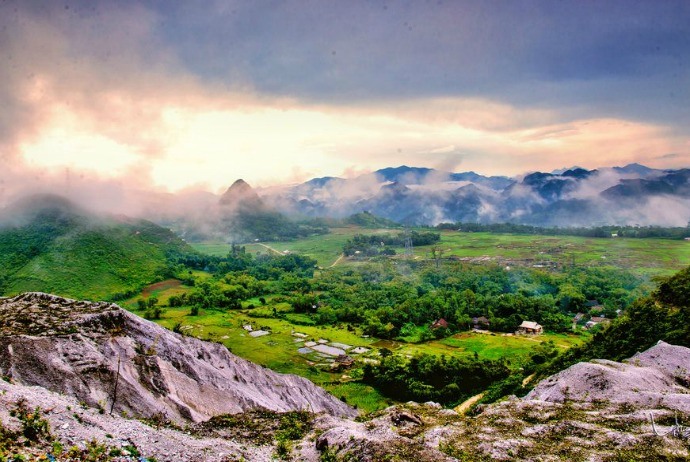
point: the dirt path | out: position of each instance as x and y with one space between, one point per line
163 285
271 248
467 404
527 380
338 260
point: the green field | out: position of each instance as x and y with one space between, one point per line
641 256
326 249
278 351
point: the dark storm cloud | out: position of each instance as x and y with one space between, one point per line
614 55
614 58
489 69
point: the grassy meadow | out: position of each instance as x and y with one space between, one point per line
641 256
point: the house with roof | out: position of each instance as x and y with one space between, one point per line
593 305
529 328
596 320
439 323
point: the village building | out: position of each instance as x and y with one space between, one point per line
593 305
529 328
342 362
596 320
439 323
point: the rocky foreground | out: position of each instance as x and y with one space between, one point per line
598 411
107 357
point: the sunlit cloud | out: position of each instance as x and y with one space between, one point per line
195 100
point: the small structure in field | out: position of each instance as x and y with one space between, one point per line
481 323
529 328
342 362
259 333
328 350
439 323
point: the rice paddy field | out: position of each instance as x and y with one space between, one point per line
279 349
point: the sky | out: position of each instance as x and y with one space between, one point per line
184 95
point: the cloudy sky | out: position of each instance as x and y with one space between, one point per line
195 94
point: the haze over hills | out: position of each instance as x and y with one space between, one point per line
632 195
50 244
574 197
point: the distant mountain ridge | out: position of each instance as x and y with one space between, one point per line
630 195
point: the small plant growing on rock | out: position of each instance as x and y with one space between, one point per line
34 426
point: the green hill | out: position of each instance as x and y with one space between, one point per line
664 315
369 220
48 244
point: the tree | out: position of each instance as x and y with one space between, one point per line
437 254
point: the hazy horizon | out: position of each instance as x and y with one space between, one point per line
190 96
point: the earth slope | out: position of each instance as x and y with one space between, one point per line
84 349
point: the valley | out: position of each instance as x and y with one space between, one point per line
275 302
443 231
279 350
357 311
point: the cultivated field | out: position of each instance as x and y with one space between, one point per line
290 331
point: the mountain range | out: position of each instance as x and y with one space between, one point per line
629 195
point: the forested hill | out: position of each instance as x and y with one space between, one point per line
48 244
664 315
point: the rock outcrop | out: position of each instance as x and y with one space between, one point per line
658 377
599 411
108 357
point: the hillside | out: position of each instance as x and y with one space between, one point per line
244 217
599 411
157 372
49 244
664 315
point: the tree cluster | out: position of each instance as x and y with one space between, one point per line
433 378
